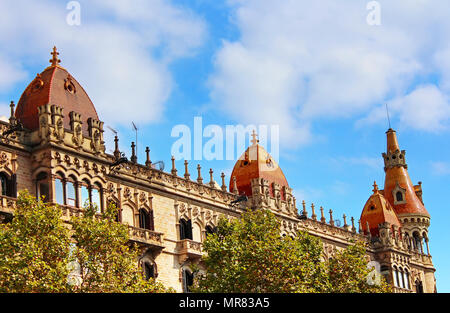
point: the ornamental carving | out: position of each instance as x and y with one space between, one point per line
3 159
127 193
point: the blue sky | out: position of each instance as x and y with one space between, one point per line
319 71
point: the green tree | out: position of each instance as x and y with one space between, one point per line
349 273
105 261
91 253
34 249
250 255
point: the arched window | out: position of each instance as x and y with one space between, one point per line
419 286
401 279
188 280
406 278
60 192
149 270
71 191
91 194
185 229
210 230
417 242
7 185
395 277
146 219
399 196
42 186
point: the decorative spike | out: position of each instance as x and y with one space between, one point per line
353 225
359 227
116 150
148 162
199 175
186 172
211 178
313 216
224 187
174 170
12 119
322 218
54 60
345 220
331 217
235 189
368 229
305 213
375 187
133 153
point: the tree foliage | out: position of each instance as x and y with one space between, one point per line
250 255
40 253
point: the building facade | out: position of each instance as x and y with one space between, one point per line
53 146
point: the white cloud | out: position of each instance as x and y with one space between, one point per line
114 53
298 61
440 168
426 108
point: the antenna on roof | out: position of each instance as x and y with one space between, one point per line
387 112
136 130
113 130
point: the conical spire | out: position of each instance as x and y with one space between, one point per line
399 190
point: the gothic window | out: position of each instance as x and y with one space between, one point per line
146 219
401 279
149 270
395 277
7 185
419 286
91 194
417 242
210 230
406 278
188 280
71 192
42 186
399 196
59 191
185 229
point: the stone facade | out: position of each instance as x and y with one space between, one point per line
160 206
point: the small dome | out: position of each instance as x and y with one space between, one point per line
256 162
378 210
54 86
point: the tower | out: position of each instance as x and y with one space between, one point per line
398 222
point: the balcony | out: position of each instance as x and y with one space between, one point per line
189 249
146 237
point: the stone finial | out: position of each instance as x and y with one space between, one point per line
353 225
331 217
235 189
174 170
375 187
54 61
322 218
116 148
313 216
368 229
12 119
254 140
345 220
359 227
199 174
186 171
211 177
224 187
148 162
133 153
304 208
